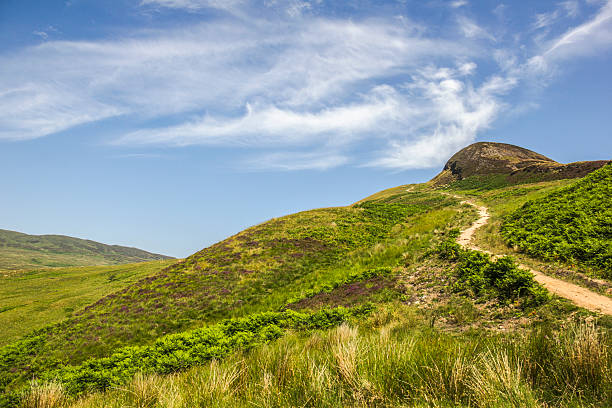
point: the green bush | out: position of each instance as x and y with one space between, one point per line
476 272
401 364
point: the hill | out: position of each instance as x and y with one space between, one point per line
488 164
23 251
422 321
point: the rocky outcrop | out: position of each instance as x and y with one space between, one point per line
518 164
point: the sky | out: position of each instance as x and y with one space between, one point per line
169 125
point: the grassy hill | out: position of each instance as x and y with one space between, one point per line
35 298
23 251
373 304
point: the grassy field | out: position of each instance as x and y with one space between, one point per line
35 298
502 202
22 251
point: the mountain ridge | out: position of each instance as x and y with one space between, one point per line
19 250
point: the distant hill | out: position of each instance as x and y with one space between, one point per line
508 164
23 251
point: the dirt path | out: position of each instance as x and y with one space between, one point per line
577 294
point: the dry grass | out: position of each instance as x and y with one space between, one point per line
498 381
46 395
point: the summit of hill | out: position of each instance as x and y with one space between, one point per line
510 164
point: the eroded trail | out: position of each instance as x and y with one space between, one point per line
577 294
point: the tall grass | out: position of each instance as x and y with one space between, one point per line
46 395
391 362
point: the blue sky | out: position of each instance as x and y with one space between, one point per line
171 124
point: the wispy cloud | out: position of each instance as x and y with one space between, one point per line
41 34
295 161
569 8
325 78
586 39
470 29
572 7
193 5
455 114
270 125
458 3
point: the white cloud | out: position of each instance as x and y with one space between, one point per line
41 34
588 38
193 5
500 10
572 7
297 75
568 8
543 20
36 109
472 30
455 114
467 68
294 161
458 3
272 126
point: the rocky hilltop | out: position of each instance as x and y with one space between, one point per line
516 163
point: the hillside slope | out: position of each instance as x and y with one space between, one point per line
573 225
23 251
35 298
504 164
263 268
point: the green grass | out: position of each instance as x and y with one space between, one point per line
22 251
35 298
392 359
572 225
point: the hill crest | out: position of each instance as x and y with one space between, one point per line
516 163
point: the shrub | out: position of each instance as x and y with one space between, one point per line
477 273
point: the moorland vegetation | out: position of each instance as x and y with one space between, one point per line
572 225
372 304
